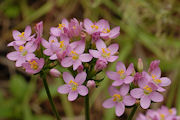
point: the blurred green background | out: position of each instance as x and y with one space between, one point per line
149 30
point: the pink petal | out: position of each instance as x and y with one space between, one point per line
100 44
112 58
129 101
87 25
67 62
82 90
67 77
114 32
65 21
20 61
30 56
109 103
120 109
102 24
156 72
13 55
130 69
156 97
76 64
112 75
165 81
124 89
81 47
120 66
53 38
80 78
72 95
95 53
27 31
113 48
53 57
45 43
11 44
128 79
19 42
16 35
145 102
85 57
55 31
64 89
136 92
112 90
117 83
48 52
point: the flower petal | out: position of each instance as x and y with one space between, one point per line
27 31
117 83
95 53
124 89
128 79
136 92
76 64
120 109
145 102
130 69
112 58
129 100
85 57
156 97
20 61
100 44
67 77
114 32
48 52
64 89
82 90
16 35
30 56
67 62
72 95
109 103
165 81
113 48
120 66
112 75
13 55
53 57
80 78
87 25
55 31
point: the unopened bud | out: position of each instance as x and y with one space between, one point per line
80 68
91 84
140 65
100 64
60 55
54 72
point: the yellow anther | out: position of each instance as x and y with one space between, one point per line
147 89
94 27
105 52
75 56
61 26
170 111
61 44
72 82
52 41
121 72
74 27
162 116
21 35
117 97
157 81
73 85
34 64
106 30
21 48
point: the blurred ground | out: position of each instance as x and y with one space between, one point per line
149 29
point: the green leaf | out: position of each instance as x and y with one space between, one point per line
18 86
43 117
12 11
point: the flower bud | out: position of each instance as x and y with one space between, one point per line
100 64
154 64
91 84
140 65
54 72
60 55
80 68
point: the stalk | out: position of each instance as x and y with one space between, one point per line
87 117
130 117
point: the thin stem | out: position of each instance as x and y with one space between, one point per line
87 117
132 112
43 76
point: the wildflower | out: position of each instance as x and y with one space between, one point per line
74 28
60 30
73 86
121 75
21 38
140 65
105 53
119 100
21 55
34 65
91 84
146 93
76 55
100 64
54 72
154 65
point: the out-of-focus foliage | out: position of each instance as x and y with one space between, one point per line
149 29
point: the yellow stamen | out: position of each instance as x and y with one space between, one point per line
74 27
34 64
162 116
106 30
94 27
52 41
105 53
61 44
21 48
147 89
170 111
117 97
157 81
21 35
75 56
61 26
73 85
121 72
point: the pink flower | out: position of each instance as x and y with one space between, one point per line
21 38
54 72
121 75
105 53
119 100
100 64
21 55
73 87
91 27
35 42
154 65
146 93
74 28
34 65
61 29
53 47
76 55
91 84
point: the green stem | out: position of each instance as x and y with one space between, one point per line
87 117
43 76
132 112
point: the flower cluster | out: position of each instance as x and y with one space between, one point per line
162 113
145 86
